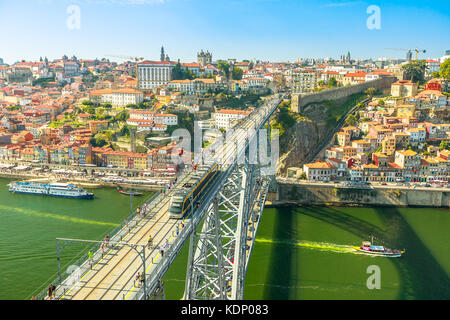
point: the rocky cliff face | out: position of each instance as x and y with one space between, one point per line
304 137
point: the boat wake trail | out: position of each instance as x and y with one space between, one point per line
55 216
322 246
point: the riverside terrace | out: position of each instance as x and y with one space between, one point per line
104 177
91 169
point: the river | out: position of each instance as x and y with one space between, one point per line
300 252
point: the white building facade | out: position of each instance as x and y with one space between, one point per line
224 118
118 97
153 74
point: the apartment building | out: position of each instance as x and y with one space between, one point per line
304 81
138 117
153 74
320 171
117 97
225 118
407 158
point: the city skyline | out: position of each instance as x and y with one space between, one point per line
268 30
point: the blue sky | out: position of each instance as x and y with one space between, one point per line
275 30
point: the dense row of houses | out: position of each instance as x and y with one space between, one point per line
78 153
389 143
407 166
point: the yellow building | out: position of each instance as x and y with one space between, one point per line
348 152
388 145
123 159
343 138
27 154
163 99
406 110
404 88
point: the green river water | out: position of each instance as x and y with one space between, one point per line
300 253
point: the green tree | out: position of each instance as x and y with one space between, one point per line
415 70
141 149
445 69
123 116
370 91
142 105
13 108
444 145
90 110
176 72
350 120
98 142
237 73
435 74
332 82
224 67
188 74
125 131
179 73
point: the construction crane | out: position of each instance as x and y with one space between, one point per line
135 59
409 54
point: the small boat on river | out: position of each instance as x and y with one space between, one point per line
367 247
133 193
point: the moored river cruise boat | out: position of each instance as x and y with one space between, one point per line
50 189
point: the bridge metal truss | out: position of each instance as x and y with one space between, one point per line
219 253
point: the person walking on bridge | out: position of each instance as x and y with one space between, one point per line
149 242
91 259
138 277
142 278
166 246
51 289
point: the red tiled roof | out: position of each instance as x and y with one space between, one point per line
355 74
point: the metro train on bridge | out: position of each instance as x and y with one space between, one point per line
193 191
